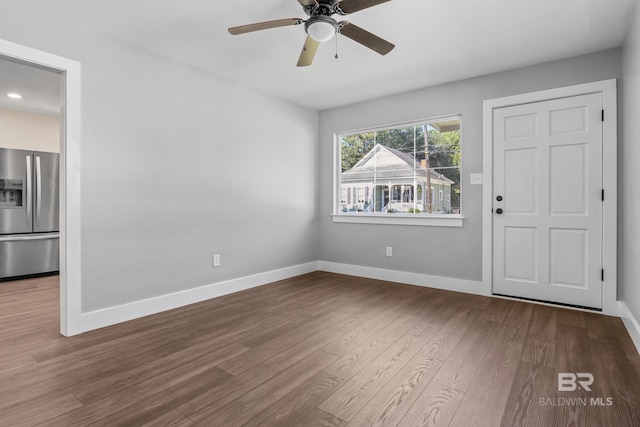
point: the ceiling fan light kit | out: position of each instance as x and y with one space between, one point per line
321 27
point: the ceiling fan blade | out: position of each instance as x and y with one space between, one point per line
350 6
308 2
308 52
265 25
366 38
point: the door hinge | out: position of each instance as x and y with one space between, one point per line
603 115
602 275
603 194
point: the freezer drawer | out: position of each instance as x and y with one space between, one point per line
29 254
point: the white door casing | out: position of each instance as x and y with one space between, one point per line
547 225
561 239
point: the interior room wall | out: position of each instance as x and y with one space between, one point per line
178 165
29 131
437 251
629 176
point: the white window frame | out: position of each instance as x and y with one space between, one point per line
434 220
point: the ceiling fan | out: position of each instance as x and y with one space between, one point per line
321 27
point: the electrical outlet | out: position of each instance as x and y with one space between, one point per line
216 260
389 251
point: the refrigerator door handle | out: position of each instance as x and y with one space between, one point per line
28 195
38 189
27 237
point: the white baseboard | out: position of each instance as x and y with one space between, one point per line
437 282
122 313
134 310
631 323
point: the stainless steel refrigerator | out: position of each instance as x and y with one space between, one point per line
29 213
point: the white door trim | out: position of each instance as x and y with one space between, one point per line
70 253
608 88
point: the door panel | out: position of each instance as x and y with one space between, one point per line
568 120
548 224
520 169
521 254
15 186
46 195
568 257
520 126
568 166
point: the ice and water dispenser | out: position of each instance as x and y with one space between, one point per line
10 193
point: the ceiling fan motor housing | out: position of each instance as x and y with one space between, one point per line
324 8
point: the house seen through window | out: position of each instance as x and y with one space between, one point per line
406 169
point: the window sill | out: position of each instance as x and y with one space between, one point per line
433 220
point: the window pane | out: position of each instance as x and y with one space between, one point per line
410 169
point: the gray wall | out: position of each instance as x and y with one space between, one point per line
629 174
178 164
244 175
438 251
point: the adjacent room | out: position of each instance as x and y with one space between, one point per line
319 212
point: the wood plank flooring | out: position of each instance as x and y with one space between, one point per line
316 350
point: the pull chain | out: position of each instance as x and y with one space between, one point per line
337 33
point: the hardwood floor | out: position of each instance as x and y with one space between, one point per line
317 350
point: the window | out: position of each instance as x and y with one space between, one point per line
403 171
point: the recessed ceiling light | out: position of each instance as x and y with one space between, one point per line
14 95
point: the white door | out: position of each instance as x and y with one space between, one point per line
547 201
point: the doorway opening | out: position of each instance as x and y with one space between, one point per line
67 74
30 117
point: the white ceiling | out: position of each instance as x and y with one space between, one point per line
436 41
40 89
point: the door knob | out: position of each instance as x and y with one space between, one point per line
499 198
499 211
